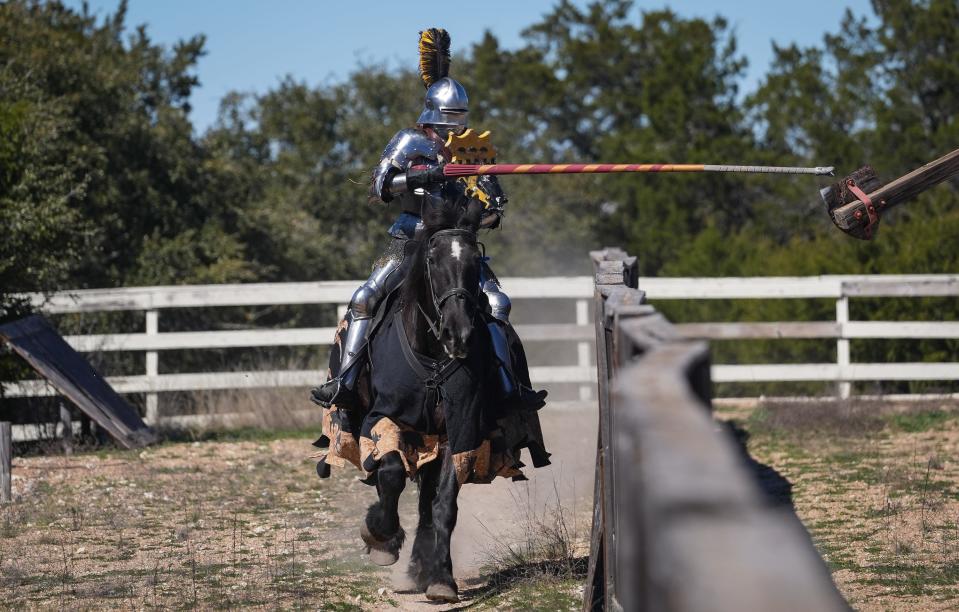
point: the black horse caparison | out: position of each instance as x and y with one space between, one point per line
439 313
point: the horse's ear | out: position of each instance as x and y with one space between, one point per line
439 213
470 219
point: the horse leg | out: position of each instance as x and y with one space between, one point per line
442 587
422 555
381 531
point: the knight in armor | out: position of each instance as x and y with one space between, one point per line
409 176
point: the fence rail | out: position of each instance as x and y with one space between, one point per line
153 300
678 522
842 288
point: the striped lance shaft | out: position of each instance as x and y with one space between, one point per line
477 170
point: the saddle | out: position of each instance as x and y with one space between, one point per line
405 399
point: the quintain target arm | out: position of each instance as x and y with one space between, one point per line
856 202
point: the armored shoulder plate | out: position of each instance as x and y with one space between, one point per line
404 148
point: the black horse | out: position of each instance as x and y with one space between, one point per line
430 367
431 404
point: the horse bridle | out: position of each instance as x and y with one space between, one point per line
460 292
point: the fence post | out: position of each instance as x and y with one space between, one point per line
583 348
66 424
152 368
842 345
6 461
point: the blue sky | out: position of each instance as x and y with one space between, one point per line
251 45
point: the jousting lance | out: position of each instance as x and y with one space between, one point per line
474 155
456 170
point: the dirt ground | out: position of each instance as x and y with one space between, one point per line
876 485
242 521
236 522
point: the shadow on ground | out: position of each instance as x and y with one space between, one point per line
777 490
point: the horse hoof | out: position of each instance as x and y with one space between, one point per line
378 550
383 557
442 592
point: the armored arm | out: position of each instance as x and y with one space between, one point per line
425 175
392 176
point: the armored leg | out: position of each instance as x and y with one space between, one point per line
353 348
387 275
504 368
500 307
499 302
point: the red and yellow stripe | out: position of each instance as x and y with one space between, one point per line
476 170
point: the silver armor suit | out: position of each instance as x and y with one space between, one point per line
445 112
408 147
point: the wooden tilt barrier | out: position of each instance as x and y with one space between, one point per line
679 524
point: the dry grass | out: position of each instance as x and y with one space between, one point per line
204 413
238 520
877 485
540 564
211 525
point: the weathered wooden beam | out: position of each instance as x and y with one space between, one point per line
540 375
821 329
300 336
614 266
6 462
63 369
210 381
740 331
798 372
931 287
791 287
695 532
268 294
564 287
853 217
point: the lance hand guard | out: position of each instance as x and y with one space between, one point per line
425 176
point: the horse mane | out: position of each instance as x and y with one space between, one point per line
446 215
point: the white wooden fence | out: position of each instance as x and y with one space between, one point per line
151 300
839 287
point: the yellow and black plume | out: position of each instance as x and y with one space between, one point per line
434 55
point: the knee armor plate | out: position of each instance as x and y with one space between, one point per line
499 303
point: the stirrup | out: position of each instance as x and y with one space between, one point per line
333 392
532 399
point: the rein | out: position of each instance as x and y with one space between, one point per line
459 292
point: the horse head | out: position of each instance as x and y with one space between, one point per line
450 276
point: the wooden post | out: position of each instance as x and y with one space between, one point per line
85 430
66 423
583 348
842 345
6 461
152 368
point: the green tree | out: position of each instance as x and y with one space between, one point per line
42 233
139 185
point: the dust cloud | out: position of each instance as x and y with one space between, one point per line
493 515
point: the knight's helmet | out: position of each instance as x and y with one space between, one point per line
446 104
